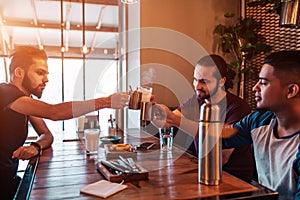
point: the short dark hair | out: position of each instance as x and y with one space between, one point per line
23 57
286 65
224 71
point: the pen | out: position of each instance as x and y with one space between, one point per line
150 146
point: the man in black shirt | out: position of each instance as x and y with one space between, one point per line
28 73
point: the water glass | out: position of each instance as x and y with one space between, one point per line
166 138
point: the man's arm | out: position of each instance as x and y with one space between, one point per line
44 141
67 110
189 126
45 136
164 117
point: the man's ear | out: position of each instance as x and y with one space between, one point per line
19 72
293 90
222 81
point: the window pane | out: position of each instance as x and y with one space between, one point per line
73 88
2 70
101 81
53 91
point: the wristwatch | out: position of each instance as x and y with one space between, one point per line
37 146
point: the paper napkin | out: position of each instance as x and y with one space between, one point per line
103 188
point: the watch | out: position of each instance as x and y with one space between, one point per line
37 146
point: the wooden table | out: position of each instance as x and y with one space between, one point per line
64 169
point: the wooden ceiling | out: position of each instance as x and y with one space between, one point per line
59 27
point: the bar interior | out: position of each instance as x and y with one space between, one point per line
150 50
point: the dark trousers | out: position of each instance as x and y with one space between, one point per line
8 186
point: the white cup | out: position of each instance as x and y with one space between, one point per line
166 138
146 93
91 140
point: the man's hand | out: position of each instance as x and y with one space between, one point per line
119 100
162 116
25 152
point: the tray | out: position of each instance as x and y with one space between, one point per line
114 154
113 177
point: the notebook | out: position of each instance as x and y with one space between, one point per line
103 188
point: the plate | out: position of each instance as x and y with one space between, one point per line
110 139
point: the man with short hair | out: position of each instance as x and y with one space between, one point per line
274 128
28 76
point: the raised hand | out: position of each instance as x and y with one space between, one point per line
119 100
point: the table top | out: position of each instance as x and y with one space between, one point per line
65 168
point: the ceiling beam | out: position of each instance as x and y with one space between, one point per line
99 24
13 22
77 50
35 22
99 2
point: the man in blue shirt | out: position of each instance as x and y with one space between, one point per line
274 128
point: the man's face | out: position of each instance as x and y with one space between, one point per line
269 93
205 83
35 77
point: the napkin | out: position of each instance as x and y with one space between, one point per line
103 188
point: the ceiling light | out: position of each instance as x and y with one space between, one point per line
85 49
129 1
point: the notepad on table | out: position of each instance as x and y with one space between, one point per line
103 188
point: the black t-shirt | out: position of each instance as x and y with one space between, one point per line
13 129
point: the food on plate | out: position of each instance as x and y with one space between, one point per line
120 147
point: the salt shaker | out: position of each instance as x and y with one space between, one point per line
111 126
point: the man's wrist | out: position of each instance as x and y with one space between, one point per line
37 146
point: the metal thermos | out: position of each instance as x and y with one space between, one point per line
210 145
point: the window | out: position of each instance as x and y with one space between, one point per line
100 80
2 70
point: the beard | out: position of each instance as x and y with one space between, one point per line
28 86
207 95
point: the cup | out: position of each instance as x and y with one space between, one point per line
135 99
80 124
166 138
146 113
146 93
91 140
